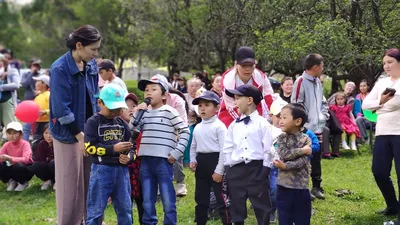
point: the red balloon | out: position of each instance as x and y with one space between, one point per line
27 111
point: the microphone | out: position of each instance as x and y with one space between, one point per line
134 130
141 113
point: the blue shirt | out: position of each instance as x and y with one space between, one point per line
68 96
315 147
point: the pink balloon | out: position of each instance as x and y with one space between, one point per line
27 111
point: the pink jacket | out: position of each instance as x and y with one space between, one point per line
20 152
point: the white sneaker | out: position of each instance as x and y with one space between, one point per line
353 146
22 187
46 185
181 189
54 186
11 185
345 146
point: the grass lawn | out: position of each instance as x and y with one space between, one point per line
351 172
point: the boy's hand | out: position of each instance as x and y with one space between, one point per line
307 150
193 166
124 159
279 164
42 112
123 146
217 177
142 106
171 159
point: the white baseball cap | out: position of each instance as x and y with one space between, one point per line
277 106
44 78
14 126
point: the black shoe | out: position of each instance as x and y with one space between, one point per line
388 212
317 193
312 197
272 218
327 156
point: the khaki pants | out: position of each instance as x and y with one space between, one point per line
72 172
7 112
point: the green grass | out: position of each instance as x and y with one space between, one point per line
350 172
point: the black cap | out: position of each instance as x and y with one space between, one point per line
247 90
245 54
106 64
207 95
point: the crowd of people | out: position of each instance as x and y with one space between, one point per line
95 143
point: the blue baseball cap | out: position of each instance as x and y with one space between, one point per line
247 90
113 96
156 79
207 95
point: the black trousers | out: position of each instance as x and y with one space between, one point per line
386 148
44 170
206 163
294 206
19 172
328 138
249 181
316 170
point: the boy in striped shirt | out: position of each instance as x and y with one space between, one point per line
159 148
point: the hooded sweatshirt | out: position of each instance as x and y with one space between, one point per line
309 93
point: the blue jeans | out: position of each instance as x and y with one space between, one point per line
273 181
27 130
109 181
154 172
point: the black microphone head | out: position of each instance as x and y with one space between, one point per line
147 101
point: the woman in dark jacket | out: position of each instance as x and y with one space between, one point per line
73 100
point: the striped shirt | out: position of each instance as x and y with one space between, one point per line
160 131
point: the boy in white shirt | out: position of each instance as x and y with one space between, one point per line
247 155
206 158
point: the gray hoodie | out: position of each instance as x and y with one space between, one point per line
310 95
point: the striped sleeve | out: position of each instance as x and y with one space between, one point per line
183 133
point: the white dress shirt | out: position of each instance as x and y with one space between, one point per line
244 143
208 137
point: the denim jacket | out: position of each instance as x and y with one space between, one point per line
68 95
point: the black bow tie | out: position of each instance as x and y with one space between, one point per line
246 120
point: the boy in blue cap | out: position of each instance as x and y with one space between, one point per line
107 141
206 157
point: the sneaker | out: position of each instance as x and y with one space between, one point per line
46 185
272 217
335 155
317 193
11 185
345 146
353 146
312 197
180 189
22 187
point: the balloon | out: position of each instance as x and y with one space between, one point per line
27 111
371 116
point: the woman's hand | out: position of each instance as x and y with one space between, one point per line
3 76
385 98
81 143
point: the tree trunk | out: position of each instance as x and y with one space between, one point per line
333 9
140 67
121 67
